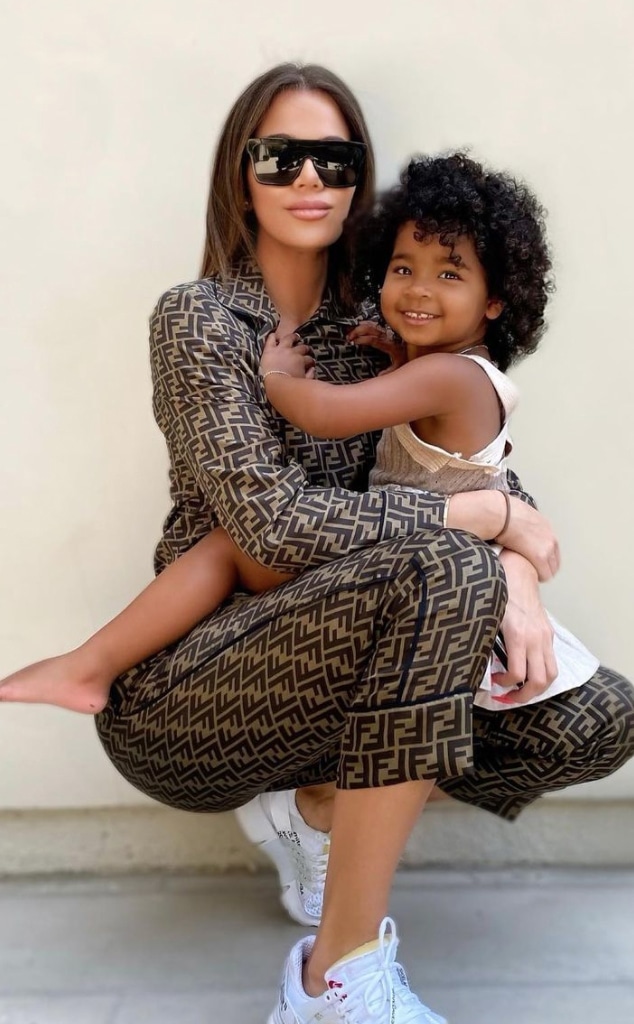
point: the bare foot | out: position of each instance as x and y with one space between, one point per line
69 681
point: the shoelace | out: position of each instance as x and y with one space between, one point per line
414 1008
311 873
369 997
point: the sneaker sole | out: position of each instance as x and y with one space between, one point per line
258 828
276 1018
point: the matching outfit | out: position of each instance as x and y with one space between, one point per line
364 668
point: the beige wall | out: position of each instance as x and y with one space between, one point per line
112 112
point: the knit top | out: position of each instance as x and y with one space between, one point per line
403 460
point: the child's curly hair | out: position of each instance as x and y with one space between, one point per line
451 196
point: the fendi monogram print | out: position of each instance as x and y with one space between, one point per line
579 736
285 498
363 668
372 654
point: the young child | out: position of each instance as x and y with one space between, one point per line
457 258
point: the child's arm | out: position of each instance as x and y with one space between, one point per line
431 385
528 532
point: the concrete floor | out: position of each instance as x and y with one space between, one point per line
504 947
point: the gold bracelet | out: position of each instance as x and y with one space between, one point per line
507 517
445 514
268 373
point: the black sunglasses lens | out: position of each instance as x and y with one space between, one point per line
279 161
337 166
274 163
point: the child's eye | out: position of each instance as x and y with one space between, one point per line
450 275
399 269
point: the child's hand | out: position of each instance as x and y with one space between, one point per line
288 355
370 333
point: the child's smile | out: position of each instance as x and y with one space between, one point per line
419 317
435 297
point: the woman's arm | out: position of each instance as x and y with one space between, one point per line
425 387
226 454
527 533
223 443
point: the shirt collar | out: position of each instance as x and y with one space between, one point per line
243 291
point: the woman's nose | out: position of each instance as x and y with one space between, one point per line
308 175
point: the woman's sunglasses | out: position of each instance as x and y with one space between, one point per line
279 161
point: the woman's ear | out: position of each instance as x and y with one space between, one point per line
494 309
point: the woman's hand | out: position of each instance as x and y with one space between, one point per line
288 355
527 532
531 535
528 635
367 332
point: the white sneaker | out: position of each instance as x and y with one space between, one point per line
365 987
299 852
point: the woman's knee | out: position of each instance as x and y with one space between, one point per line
618 698
457 571
470 556
466 570
600 734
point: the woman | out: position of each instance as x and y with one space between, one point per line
361 670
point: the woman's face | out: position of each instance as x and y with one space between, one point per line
305 216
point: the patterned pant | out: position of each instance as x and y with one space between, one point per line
361 671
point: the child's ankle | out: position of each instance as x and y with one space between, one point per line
94 662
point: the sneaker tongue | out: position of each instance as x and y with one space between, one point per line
359 951
360 961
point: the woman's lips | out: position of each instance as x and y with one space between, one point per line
310 210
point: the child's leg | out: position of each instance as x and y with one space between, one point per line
187 591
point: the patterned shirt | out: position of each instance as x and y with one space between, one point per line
287 499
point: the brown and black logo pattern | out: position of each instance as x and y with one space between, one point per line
362 669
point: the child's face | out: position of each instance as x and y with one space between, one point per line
435 297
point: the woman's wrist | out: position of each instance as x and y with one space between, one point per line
507 517
517 564
483 513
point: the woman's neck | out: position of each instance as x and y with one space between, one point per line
294 280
